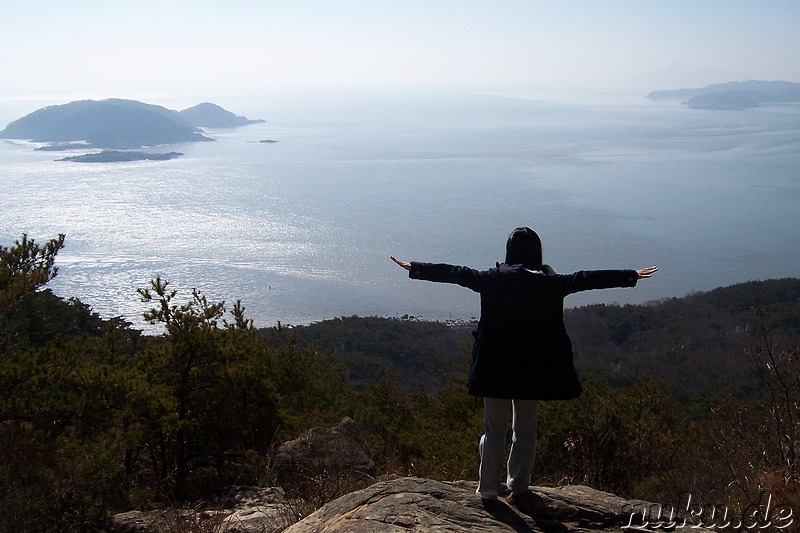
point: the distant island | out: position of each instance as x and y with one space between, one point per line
208 115
734 94
61 147
120 124
114 156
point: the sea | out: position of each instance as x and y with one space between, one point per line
301 229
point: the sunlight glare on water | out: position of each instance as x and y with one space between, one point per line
301 230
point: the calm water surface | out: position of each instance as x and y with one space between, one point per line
301 230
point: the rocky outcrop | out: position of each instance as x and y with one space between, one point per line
413 504
406 504
324 452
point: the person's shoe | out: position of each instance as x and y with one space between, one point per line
493 505
529 503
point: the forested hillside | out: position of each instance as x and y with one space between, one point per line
420 354
97 418
695 343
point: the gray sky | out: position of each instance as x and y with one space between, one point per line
197 47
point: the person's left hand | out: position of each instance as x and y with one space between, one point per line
403 264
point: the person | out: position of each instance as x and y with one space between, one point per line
522 353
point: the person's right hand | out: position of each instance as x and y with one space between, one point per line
643 273
403 264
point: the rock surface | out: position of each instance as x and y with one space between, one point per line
413 504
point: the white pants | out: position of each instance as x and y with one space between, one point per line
493 445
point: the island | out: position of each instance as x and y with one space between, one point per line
734 95
119 124
115 156
208 115
62 147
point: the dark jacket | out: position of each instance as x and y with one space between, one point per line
522 350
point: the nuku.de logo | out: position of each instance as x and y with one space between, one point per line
694 515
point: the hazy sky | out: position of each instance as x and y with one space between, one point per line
197 47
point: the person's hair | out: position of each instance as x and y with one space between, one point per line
524 248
